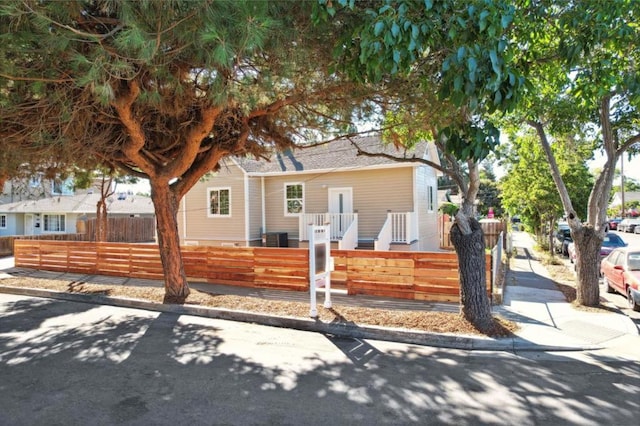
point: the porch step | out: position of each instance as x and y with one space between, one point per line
365 245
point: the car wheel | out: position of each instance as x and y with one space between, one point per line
607 285
632 303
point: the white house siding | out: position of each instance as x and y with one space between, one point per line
428 219
374 193
196 227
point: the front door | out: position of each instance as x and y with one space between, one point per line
28 224
341 201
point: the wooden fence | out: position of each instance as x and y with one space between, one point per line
491 231
121 229
431 276
7 243
410 275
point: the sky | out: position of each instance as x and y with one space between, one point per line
631 168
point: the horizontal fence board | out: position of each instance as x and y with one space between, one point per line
413 275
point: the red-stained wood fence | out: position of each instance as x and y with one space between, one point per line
431 276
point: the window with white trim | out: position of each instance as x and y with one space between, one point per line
3 221
293 199
62 187
54 222
218 202
35 181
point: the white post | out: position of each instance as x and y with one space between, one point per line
313 311
327 267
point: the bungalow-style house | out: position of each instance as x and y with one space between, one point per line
369 202
59 214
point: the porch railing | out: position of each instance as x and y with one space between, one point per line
403 227
349 240
339 224
383 242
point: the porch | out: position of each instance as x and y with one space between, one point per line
398 228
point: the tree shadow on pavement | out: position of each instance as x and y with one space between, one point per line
106 365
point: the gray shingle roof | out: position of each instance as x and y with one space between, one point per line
340 154
81 204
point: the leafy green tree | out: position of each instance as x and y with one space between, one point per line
456 55
581 59
528 189
489 191
166 90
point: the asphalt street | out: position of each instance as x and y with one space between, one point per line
76 363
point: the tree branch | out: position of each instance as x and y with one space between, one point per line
135 143
555 172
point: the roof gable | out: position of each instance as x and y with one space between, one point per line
337 155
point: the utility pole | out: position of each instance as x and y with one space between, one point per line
621 177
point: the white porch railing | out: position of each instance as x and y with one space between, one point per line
383 242
339 224
404 227
349 240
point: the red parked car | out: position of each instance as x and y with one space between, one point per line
621 273
612 224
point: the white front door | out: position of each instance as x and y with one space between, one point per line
340 200
28 224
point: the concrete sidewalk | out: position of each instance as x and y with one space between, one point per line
547 322
546 319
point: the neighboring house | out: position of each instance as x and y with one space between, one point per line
59 214
36 187
629 197
370 202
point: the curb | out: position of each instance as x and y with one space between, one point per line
440 340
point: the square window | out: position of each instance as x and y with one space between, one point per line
54 223
294 199
35 181
60 187
219 202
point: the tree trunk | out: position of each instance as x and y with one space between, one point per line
468 239
102 223
587 243
166 207
101 220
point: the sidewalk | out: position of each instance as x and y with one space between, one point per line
530 298
546 319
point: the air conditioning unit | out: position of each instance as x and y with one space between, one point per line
275 239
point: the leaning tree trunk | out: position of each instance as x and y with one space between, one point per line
166 207
587 244
468 240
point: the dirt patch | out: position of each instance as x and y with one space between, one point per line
431 321
564 278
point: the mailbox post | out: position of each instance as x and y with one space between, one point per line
319 261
